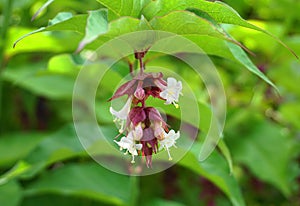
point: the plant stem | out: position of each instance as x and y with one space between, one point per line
134 180
7 10
142 69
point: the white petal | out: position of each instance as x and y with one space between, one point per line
137 132
171 82
123 113
138 146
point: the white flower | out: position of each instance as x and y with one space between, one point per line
172 92
121 116
129 144
137 132
169 141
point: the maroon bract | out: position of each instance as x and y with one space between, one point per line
145 129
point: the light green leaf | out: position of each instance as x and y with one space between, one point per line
184 22
19 169
85 180
42 9
62 22
125 7
242 57
96 25
62 64
226 152
117 28
60 17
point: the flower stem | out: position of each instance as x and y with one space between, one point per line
142 69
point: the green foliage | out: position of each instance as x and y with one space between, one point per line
41 157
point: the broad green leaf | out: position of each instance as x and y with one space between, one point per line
96 25
125 7
33 78
186 23
17 146
117 28
11 194
61 200
256 149
62 64
40 42
163 202
85 180
215 169
211 45
62 22
220 12
242 57
61 145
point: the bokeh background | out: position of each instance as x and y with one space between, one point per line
37 136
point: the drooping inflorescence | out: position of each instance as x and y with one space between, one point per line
145 131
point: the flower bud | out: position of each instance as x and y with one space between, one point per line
139 92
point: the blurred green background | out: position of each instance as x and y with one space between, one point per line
42 162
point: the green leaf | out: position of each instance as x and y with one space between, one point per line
34 78
125 7
17 146
61 145
226 152
62 64
42 8
256 150
19 169
62 22
242 57
215 169
40 42
11 194
220 12
60 17
85 180
117 28
96 25
163 202
184 22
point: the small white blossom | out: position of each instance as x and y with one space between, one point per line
169 141
172 92
129 144
137 132
121 116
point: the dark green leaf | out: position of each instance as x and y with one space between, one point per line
85 180
17 146
11 194
215 169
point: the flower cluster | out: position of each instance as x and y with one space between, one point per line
144 128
